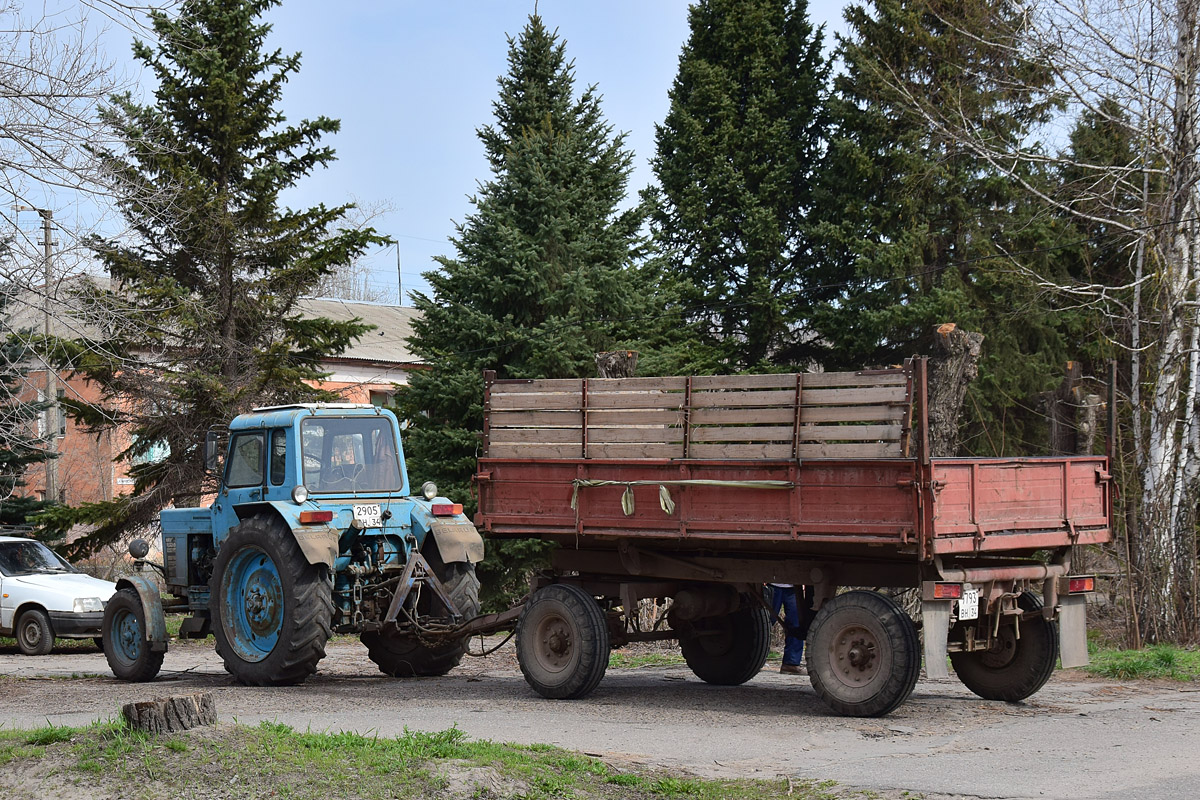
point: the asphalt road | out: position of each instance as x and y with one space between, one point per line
1077 738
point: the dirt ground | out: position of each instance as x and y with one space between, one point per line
1077 738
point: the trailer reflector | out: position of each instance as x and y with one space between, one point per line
311 517
1081 583
446 509
947 591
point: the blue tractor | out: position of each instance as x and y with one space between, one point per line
313 531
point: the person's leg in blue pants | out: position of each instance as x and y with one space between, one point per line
793 646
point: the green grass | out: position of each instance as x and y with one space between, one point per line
273 759
620 659
1157 661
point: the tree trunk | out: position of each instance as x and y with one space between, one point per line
616 364
953 366
171 714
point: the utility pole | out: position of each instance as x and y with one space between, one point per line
47 216
399 277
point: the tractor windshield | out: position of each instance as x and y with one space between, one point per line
350 454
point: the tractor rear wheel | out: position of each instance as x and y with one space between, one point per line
271 608
730 649
562 642
406 655
1014 668
864 654
125 647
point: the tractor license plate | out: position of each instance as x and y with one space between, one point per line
968 606
368 516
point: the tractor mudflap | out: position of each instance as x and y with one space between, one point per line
152 607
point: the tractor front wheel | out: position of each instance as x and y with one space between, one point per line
124 641
271 608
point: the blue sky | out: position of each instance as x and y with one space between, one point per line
411 81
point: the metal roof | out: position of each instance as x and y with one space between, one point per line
385 344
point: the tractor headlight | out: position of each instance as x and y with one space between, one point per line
299 494
83 605
429 490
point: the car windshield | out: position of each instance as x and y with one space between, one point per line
29 558
350 454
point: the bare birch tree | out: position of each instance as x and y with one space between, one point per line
1131 65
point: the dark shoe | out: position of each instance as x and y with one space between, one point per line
790 669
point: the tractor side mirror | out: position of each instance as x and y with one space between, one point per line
212 451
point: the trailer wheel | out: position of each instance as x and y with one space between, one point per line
562 642
125 647
406 656
863 654
1013 668
271 608
34 635
729 649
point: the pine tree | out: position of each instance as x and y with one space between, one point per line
919 223
199 319
544 274
735 161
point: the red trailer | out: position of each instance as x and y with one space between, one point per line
702 489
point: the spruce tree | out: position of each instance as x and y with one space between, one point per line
735 165
543 277
920 224
199 322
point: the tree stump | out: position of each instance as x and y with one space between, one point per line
171 714
616 364
951 369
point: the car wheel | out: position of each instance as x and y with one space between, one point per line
34 635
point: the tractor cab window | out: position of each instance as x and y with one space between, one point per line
278 457
350 454
245 461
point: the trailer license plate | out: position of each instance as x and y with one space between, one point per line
968 606
368 516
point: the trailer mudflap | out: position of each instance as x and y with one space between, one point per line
1072 630
935 629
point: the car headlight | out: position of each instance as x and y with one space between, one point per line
83 605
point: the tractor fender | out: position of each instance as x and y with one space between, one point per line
152 609
318 543
456 538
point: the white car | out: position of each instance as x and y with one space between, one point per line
43 597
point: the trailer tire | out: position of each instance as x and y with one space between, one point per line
406 656
562 642
864 654
271 609
729 649
125 647
34 635
1014 668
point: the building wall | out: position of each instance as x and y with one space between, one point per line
86 469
